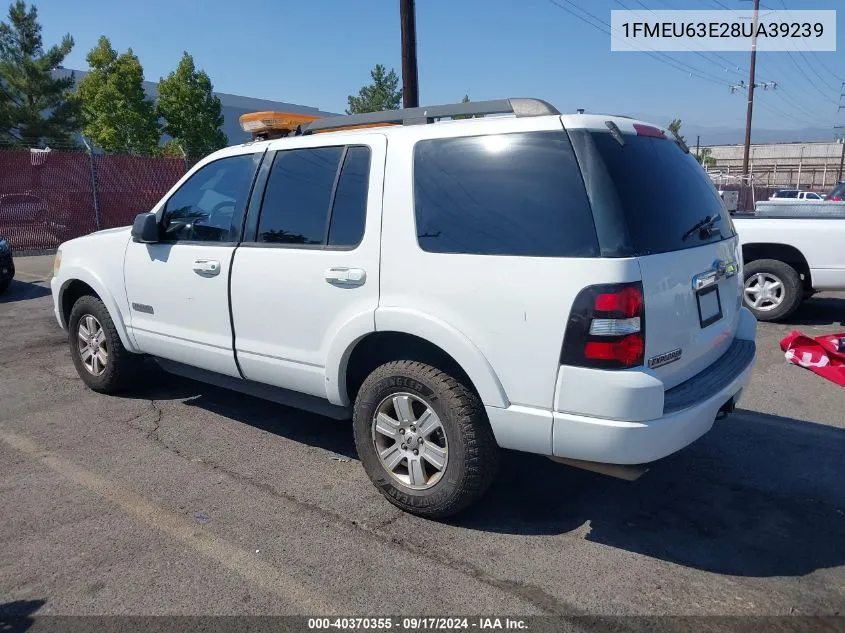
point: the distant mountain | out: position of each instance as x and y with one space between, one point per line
724 135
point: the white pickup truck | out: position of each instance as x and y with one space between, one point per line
789 258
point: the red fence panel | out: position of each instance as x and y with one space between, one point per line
45 198
129 185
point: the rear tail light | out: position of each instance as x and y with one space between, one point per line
606 328
835 198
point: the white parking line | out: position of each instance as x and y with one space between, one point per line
232 557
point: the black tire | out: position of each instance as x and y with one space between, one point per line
473 455
793 289
4 285
121 365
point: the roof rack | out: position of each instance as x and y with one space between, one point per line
428 114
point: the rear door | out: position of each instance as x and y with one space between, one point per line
309 267
666 212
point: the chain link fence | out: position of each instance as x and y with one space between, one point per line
48 197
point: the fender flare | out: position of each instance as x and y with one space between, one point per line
424 326
74 273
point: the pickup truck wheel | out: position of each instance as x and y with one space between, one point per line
97 351
773 289
424 439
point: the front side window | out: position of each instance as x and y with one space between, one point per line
209 206
503 194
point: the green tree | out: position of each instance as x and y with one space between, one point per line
172 149
705 158
35 108
116 113
382 94
675 128
192 114
467 116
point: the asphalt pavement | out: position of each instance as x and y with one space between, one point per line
180 498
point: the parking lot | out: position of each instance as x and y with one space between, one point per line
183 499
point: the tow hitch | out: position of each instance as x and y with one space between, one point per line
726 409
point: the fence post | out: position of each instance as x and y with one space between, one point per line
93 167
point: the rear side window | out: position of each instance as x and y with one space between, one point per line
297 197
655 191
316 196
503 194
349 211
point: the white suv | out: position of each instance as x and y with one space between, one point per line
567 285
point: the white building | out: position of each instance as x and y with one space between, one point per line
811 166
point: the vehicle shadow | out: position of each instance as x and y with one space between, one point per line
759 495
23 290
16 616
300 426
820 310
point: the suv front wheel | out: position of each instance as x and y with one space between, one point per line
99 356
424 439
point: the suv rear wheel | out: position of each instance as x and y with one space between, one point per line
424 439
97 351
773 289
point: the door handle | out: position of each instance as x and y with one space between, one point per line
346 276
206 267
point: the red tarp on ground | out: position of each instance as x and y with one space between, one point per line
820 355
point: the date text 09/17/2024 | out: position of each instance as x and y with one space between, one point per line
417 623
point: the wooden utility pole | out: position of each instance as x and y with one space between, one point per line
841 160
410 88
750 111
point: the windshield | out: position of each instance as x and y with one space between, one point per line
650 189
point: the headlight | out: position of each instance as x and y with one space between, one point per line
4 246
57 262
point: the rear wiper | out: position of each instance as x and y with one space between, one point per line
704 225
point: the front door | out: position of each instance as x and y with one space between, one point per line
178 288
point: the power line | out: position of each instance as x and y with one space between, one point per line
829 71
802 73
659 56
701 54
812 83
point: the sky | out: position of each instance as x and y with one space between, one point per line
316 52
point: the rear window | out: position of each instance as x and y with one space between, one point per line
838 191
502 194
647 194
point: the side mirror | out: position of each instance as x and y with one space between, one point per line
145 228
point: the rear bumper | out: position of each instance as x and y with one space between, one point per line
616 442
685 414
